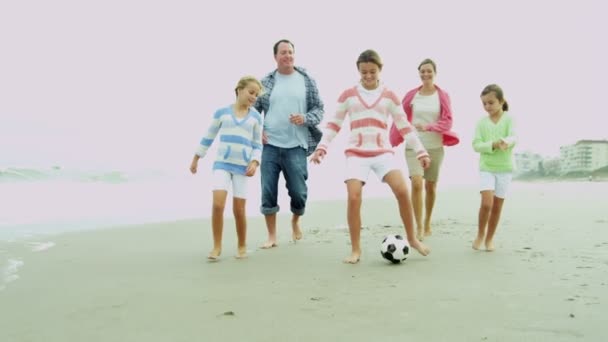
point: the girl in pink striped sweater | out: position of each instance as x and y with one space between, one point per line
369 105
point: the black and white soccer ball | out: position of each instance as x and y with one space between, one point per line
395 248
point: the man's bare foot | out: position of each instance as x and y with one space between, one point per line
269 244
477 243
241 253
353 258
214 254
490 246
420 247
296 233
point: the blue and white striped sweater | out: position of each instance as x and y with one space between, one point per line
240 140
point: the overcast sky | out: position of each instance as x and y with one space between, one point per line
123 84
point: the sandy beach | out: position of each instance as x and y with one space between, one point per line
547 280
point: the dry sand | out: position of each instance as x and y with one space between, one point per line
547 281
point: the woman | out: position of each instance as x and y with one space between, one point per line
428 108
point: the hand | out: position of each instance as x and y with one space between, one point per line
420 128
251 168
425 162
193 167
264 138
318 156
500 145
296 119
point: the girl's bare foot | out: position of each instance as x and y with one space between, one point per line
420 247
490 246
269 244
214 254
353 258
477 243
427 229
241 252
419 234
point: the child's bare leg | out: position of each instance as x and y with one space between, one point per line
271 224
395 180
296 232
217 222
417 204
354 188
487 198
493 222
240 219
429 198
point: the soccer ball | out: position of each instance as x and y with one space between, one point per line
395 248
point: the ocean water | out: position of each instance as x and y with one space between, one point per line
37 202
40 202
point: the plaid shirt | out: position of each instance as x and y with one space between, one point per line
314 105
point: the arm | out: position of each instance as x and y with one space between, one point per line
263 102
256 144
334 125
479 145
314 104
205 143
511 138
256 152
208 139
406 130
444 123
259 104
395 137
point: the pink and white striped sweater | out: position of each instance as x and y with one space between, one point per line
369 124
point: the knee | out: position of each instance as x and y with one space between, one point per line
486 206
218 208
299 196
401 193
497 205
354 198
297 189
430 187
239 212
417 185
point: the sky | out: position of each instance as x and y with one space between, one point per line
133 84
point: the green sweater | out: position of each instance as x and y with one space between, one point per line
486 133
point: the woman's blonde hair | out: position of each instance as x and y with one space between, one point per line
244 81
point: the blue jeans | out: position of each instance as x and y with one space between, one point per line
292 162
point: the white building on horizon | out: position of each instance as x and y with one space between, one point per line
584 156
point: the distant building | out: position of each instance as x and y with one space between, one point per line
527 162
584 156
552 166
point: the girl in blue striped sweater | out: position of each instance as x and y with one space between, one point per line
239 127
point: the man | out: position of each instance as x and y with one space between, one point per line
292 110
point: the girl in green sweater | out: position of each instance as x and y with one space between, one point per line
494 141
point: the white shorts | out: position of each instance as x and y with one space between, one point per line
359 167
222 180
495 181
